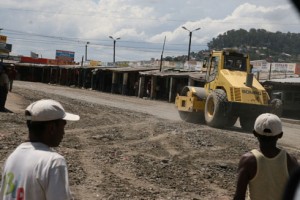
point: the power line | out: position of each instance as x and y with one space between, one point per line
74 41
83 41
121 47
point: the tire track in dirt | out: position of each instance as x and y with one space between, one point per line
94 176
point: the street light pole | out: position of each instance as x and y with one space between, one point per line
190 41
114 57
86 50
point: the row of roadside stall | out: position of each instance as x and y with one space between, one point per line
130 81
144 82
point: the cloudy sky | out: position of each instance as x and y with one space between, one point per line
44 26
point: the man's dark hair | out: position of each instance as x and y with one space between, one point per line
264 138
36 128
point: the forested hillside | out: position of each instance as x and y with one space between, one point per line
258 43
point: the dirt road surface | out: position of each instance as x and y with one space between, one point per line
131 148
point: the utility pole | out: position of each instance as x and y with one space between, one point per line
114 56
190 41
86 50
162 53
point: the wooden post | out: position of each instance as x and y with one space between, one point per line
171 89
124 86
114 82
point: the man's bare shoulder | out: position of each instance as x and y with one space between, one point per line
247 165
247 160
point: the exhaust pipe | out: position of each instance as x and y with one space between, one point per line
249 80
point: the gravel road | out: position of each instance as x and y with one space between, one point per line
130 148
162 109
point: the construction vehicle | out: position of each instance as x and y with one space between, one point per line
230 91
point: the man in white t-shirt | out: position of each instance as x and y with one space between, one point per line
34 171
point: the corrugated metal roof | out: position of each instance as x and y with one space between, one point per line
198 76
194 75
132 69
119 69
165 73
286 81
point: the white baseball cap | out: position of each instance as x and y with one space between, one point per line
48 110
268 124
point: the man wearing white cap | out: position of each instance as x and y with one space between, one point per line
34 171
265 171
